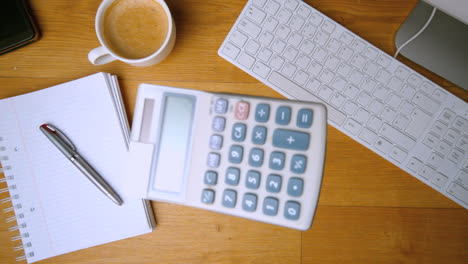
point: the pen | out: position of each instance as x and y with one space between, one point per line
68 149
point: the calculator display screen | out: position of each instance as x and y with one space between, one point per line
174 143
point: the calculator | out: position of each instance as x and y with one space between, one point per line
252 157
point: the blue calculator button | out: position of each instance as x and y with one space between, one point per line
262 113
235 154
256 157
273 183
221 106
295 186
207 196
238 132
289 139
213 160
277 160
252 181
216 142
232 176
250 202
283 115
270 206
229 198
219 123
304 118
259 134
292 210
211 178
298 163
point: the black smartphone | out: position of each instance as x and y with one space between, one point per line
17 27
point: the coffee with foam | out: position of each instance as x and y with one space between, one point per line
135 29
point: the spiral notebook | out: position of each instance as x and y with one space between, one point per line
56 208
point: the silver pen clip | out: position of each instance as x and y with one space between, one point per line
59 133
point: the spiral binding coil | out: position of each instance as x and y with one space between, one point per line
16 205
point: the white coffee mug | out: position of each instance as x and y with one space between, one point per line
103 55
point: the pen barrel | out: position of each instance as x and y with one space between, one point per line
95 178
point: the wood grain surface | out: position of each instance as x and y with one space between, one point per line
369 210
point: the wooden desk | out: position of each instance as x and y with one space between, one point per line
369 211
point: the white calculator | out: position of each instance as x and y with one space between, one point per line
252 157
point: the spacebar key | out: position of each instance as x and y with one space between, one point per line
297 92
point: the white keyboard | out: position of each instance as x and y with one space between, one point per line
370 96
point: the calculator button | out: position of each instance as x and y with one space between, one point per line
252 181
221 106
283 115
298 163
273 183
277 160
262 113
270 206
259 134
207 196
213 160
232 176
241 111
216 142
256 157
292 210
295 186
304 118
219 123
249 203
289 139
238 132
211 178
229 198
235 154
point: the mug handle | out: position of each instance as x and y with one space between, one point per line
99 56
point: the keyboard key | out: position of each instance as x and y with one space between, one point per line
358 45
347 38
259 3
229 198
266 38
313 85
368 85
307 46
235 154
292 210
221 106
276 62
321 38
270 24
320 55
358 61
350 107
211 178
326 76
460 124
273 183
301 77
395 84
362 116
256 157
383 76
270 206
293 90
443 148
261 69
295 187
415 80
328 26
325 92
277 160
419 122
241 110
352 126
290 53
414 165
439 180
265 54
351 91
249 28
456 156
298 164
371 53
401 122
439 95
315 68
388 114
283 138
462 178
364 99
309 31
302 61
283 115
284 15
371 69
283 31
232 176
207 196
332 62
246 60
213 160
337 100
259 134
272 7
304 118
463 143
339 84
426 103
398 154
252 180
384 60
397 137
374 123
278 46
383 145
427 172
249 202
333 46
304 11
458 192
447 116
255 14
295 39
238 38
402 72
368 136
435 160
297 23
218 123
452 136
238 132
231 51
316 19
216 142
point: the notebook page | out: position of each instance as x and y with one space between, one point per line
71 212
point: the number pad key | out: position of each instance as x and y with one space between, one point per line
216 142
249 202
292 210
289 139
262 113
252 181
229 198
211 178
207 196
270 206
277 160
232 176
259 134
238 132
219 124
298 164
256 157
221 106
273 183
295 186
235 154
283 115
304 118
